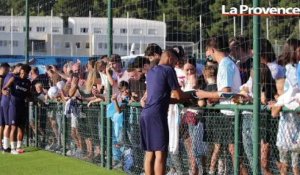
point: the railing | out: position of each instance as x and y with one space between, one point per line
88 137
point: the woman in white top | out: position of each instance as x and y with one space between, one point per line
289 122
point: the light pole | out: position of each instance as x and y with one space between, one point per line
27 32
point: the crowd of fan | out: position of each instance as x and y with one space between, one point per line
228 68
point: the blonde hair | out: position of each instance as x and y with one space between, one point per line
91 80
98 64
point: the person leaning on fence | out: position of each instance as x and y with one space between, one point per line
161 80
77 81
210 76
87 124
115 73
36 77
137 76
289 122
268 93
119 101
193 124
39 98
228 80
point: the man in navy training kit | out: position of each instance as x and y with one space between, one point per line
18 88
4 69
5 100
161 81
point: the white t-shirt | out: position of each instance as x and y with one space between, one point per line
180 76
291 76
249 86
228 76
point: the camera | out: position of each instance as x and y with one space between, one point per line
75 75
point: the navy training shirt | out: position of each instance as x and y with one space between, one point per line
161 80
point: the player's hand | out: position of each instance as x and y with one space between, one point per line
5 92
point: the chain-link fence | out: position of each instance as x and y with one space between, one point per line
201 140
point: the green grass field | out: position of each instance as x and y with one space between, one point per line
37 162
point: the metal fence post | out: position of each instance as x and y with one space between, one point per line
64 130
102 139
36 126
110 50
256 91
236 140
30 115
27 32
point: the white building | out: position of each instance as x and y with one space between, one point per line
84 36
12 31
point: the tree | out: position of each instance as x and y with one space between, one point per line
182 19
73 7
4 8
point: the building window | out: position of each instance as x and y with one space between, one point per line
152 32
40 29
24 29
137 31
38 45
15 43
123 31
68 31
100 45
84 30
118 45
87 45
124 46
98 30
3 43
77 45
2 28
14 29
67 44
55 29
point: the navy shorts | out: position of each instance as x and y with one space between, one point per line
2 121
5 109
154 132
17 113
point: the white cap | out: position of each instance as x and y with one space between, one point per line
53 92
